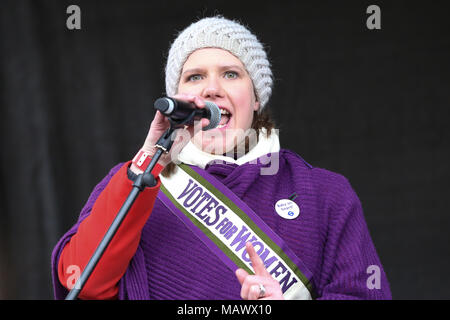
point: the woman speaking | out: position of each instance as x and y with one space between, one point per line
232 215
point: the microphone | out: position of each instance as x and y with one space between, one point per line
180 110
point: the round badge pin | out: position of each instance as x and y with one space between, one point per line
287 209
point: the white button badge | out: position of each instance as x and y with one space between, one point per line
287 209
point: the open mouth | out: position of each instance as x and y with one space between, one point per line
225 117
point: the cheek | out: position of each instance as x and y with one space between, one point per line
244 104
185 89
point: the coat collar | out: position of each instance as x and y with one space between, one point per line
192 155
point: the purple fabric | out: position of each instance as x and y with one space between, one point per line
330 237
257 220
202 236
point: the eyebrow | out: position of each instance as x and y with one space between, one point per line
223 67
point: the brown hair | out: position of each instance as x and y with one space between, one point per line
260 120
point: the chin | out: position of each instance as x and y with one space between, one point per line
219 141
214 147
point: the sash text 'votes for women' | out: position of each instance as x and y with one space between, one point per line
231 230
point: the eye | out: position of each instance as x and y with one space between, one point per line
194 77
231 75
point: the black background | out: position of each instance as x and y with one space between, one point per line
372 105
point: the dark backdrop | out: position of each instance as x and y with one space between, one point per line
371 105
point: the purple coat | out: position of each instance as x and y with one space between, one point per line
330 236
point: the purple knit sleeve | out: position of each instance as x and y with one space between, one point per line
60 291
351 267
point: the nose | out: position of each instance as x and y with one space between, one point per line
213 89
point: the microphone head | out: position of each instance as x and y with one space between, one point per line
164 105
214 115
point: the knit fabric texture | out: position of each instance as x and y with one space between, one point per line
219 32
330 236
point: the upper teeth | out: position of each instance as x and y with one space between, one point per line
223 111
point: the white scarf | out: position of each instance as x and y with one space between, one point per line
192 155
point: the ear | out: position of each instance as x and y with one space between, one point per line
256 106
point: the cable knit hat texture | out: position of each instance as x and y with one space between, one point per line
219 32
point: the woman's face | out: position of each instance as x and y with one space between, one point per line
218 76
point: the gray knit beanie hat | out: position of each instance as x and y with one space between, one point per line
219 32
